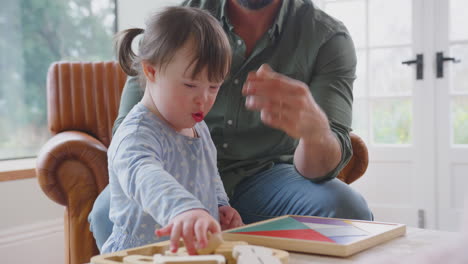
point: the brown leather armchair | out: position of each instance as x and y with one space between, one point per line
83 100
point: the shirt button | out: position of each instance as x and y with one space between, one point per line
229 122
236 81
239 42
225 145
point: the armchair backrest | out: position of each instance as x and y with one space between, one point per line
84 96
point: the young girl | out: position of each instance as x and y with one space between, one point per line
162 161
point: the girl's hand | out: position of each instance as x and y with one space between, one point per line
229 217
192 226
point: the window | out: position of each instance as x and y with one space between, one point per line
36 33
383 88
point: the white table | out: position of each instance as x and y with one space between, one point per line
414 241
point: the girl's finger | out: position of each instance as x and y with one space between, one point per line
175 237
165 231
187 234
201 229
236 222
214 227
228 216
222 216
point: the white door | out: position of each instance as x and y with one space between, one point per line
416 127
451 42
392 107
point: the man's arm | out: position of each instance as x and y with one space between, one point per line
318 114
131 95
323 156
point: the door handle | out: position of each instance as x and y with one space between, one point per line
419 61
440 59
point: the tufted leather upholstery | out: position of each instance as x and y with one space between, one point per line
83 100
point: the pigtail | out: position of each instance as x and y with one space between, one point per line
125 54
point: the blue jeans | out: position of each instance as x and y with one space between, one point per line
278 191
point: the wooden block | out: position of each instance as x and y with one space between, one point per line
282 255
252 259
247 254
214 240
137 259
200 259
229 246
251 250
226 248
181 251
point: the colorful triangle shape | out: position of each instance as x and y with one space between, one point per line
306 234
286 223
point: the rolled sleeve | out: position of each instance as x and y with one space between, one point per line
332 89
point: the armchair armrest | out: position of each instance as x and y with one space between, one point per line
358 163
72 170
70 159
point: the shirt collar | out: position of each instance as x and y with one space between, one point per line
278 24
275 30
223 15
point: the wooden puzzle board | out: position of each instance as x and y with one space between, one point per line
144 254
308 234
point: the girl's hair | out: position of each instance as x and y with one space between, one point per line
166 32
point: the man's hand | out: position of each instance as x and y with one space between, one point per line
285 104
229 217
192 226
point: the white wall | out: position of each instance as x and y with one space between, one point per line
24 203
29 223
133 13
40 243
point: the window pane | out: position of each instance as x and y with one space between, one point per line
36 33
392 121
319 3
387 76
458 20
390 22
459 76
359 86
460 120
353 15
360 122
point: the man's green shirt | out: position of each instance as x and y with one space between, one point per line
303 43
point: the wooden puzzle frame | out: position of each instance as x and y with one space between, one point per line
378 232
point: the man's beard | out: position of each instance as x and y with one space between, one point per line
254 4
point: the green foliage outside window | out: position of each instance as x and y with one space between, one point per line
460 120
392 122
36 33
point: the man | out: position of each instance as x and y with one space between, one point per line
281 121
